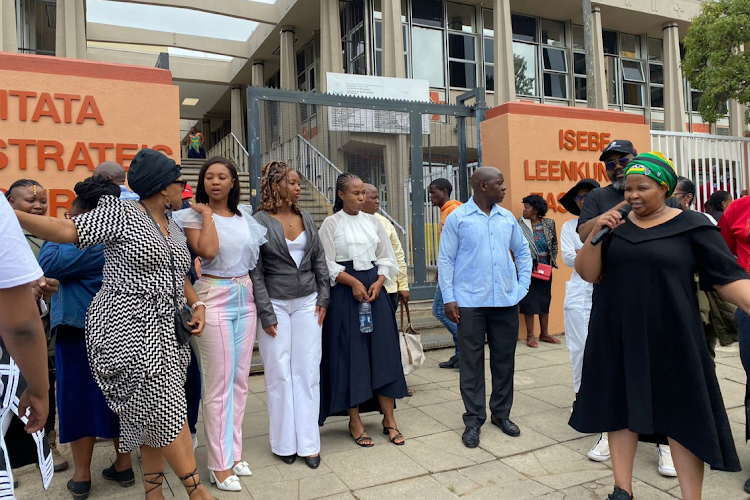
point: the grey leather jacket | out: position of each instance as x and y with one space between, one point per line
276 275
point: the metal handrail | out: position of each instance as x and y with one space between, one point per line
228 147
694 135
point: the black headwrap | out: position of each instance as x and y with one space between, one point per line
150 172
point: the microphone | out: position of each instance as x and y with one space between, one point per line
624 211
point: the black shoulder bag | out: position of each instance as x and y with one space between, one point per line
182 317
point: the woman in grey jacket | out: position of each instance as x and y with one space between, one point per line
291 294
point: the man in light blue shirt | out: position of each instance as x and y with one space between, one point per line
114 171
482 284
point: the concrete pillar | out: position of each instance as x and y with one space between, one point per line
70 38
237 114
393 40
206 131
331 60
600 82
257 74
737 125
674 103
8 33
505 73
288 58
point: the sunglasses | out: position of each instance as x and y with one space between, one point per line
612 164
580 197
182 183
67 215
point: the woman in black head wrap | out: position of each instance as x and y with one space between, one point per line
130 326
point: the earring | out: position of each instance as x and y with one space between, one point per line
167 204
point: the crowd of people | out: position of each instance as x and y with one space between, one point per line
152 296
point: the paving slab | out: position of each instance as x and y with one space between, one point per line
420 488
557 467
374 466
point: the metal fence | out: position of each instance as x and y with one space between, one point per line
230 147
712 162
384 142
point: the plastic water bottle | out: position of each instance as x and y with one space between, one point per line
365 317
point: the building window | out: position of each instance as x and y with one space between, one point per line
611 66
378 30
428 13
462 46
306 79
579 62
488 33
525 57
353 37
428 62
554 59
656 73
633 78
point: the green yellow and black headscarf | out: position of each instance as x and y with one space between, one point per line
656 166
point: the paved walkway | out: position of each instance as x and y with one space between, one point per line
548 461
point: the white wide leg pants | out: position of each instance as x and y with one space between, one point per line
291 362
577 310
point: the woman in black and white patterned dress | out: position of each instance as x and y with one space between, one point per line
130 326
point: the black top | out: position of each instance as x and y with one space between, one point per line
646 365
603 199
276 276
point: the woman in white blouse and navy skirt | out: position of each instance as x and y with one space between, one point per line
360 372
226 348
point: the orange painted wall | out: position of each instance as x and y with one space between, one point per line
125 108
522 139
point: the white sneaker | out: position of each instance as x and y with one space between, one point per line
232 483
600 451
666 466
195 441
242 469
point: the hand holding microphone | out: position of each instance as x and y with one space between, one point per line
608 222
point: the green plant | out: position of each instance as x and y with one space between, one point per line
452 489
715 62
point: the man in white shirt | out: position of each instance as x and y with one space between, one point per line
398 289
22 338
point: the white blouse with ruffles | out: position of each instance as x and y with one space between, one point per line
359 238
240 239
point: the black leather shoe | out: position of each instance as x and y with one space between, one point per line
313 462
451 363
79 489
288 459
471 437
506 426
619 494
126 478
747 486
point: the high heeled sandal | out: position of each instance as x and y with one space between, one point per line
361 438
155 481
386 431
194 486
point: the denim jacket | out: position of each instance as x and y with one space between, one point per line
80 276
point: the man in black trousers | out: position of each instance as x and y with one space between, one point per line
482 285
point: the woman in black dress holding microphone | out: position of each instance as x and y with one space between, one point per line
647 373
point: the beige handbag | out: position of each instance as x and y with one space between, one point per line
412 354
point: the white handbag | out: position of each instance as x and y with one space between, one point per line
412 353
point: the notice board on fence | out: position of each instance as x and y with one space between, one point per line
376 87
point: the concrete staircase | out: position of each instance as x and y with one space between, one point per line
192 166
313 202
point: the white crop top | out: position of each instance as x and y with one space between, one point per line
240 239
297 247
359 238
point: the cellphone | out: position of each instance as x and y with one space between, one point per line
42 306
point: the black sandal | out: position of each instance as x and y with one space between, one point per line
194 486
155 481
386 430
361 438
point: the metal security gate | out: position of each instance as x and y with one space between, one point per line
399 146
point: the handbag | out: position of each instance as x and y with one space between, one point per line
542 272
182 317
412 353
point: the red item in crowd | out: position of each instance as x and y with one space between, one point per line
735 228
188 193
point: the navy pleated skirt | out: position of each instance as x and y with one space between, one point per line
81 408
356 367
